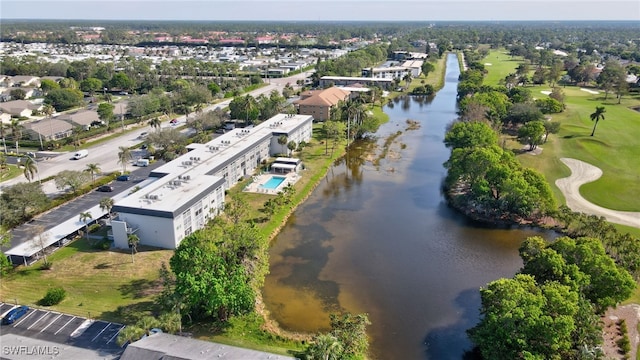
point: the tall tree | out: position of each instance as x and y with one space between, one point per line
283 140
531 133
93 169
16 132
597 116
124 156
133 240
85 217
106 204
30 168
155 123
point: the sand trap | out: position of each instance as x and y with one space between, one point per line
590 91
488 64
582 173
546 92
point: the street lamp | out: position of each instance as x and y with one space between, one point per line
122 117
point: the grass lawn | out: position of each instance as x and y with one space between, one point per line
98 282
9 172
502 64
614 148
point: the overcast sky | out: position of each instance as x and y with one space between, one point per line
314 10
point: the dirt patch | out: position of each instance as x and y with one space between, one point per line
611 330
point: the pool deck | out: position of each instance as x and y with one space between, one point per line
258 180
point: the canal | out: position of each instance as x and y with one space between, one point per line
377 237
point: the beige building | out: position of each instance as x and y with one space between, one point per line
84 118
318 103
48 129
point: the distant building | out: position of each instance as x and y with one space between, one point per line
318 103
326 81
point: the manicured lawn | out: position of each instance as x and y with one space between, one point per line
614 148
97 282
502 64
9 172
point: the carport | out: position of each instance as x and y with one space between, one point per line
27 252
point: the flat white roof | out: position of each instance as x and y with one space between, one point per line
185 177
283 166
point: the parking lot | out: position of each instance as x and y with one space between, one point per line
54 327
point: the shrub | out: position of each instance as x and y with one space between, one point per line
54 296
94 227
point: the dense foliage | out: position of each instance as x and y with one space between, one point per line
550 310
485 179
53 296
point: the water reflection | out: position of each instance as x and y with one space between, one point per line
380 239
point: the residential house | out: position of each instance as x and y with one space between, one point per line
19 108
25 80
318 103
84 118
48 129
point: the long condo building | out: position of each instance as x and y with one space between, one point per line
180 197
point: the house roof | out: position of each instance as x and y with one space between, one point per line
326 97
81 117
16 106
165 346
48 127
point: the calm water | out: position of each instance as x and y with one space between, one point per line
377 237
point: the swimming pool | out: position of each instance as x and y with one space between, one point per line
273 183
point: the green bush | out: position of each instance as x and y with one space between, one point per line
54 296
94 227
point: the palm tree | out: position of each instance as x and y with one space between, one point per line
407 78
129 334
597 116
124 156
3 134
48 109
85 217
283 140
155 123
93 169
30 168
325 347
106 204
171 322
16 131
134 240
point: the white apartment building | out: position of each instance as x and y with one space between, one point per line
182 195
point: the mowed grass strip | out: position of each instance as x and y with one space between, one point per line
97 281
502 64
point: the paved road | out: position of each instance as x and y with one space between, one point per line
106 154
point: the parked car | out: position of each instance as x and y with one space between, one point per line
14 315
144 147
123 178
105 188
